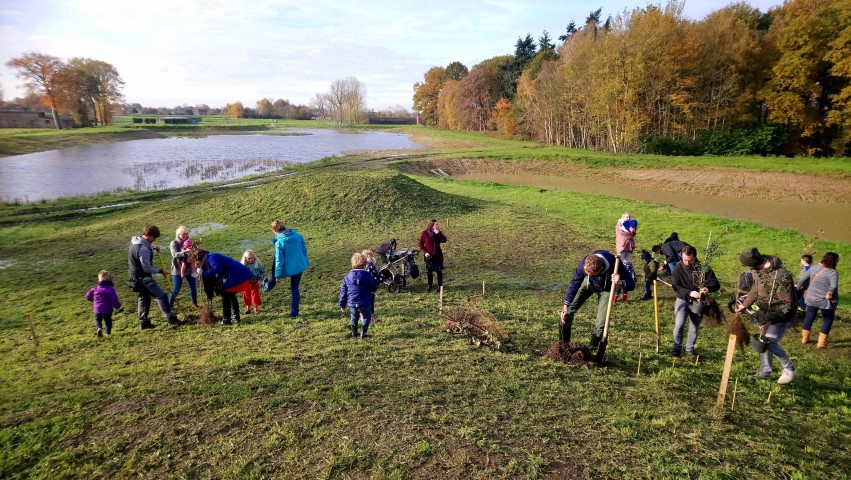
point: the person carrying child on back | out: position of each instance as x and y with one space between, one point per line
358 293
251 297
187 266
105 301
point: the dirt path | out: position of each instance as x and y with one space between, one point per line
810 204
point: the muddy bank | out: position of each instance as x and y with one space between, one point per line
805 203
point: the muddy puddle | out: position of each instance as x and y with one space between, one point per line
806 217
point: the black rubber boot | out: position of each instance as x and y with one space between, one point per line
354 331
146 324
363 333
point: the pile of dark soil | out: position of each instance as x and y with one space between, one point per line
737 328
481 326
573 354
712 313
205 317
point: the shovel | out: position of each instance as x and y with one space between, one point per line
601 349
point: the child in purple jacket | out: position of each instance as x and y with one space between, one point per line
105 300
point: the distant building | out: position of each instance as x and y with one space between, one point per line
16 119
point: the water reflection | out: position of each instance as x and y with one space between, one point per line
156 164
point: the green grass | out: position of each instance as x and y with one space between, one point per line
276 398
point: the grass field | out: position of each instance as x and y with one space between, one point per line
277 398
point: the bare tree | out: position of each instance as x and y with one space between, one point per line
347 100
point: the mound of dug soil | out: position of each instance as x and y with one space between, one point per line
205 317
481 327
573 354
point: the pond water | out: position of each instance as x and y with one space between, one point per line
156 164
827 220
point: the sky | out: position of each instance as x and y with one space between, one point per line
215 52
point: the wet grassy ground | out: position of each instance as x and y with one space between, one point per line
277 398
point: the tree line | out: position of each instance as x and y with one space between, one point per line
90 90
83 87
740 81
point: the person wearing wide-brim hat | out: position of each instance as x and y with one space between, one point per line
773 291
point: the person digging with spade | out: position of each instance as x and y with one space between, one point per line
594 275
140 259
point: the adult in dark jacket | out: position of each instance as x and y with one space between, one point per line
225 276
690 280
594 275
290 260
671 248
773 291
430 241
140 260
358 293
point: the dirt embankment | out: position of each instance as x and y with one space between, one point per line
733 183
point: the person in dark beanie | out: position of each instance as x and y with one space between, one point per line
773 291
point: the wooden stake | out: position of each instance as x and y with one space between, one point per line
735 387
440 303
725 374
769 396
656 308
638 373
32 328
697 359
483 288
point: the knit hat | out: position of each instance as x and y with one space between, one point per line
645 255
752 258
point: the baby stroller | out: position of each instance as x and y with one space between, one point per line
398 265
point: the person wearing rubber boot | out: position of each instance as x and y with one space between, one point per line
358 293
773 292
594 275
140 260
688 306
822 295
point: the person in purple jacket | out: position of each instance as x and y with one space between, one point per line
358 293
594 274
105 301
224 276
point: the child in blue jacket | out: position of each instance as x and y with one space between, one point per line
358 293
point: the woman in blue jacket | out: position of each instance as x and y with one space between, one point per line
225 276
290 260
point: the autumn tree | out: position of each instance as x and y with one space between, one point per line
38 72
264 108
235 110
426 94
840 55
803 87
504 118
455 71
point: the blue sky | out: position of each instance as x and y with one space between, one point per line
221 51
